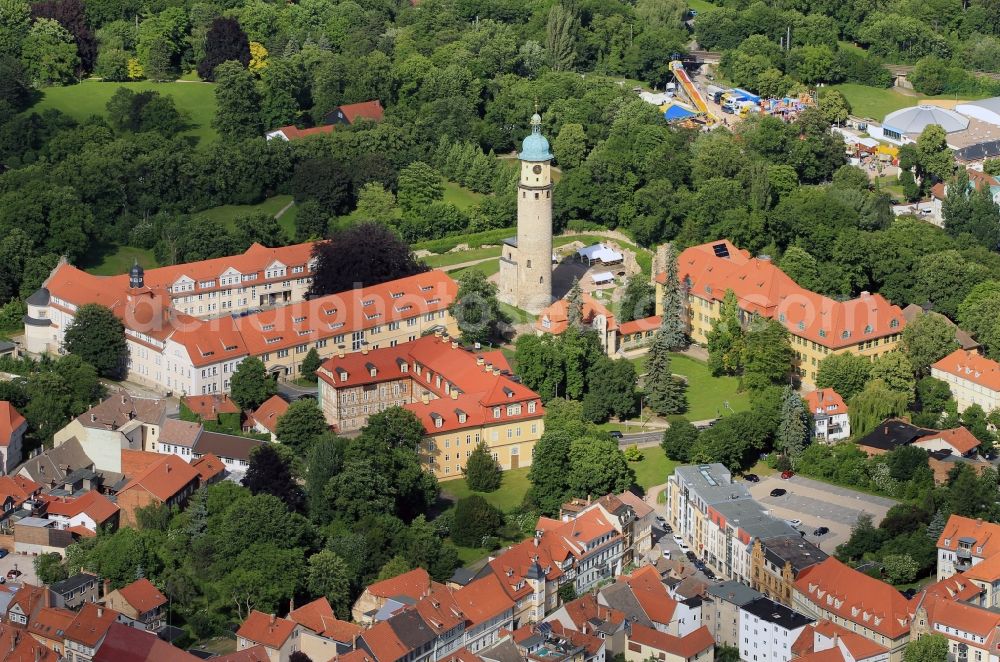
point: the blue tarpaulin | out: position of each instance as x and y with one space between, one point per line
677 113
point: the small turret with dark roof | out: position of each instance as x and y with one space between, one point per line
136 276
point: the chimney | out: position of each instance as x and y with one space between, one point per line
273 619
488 366
123 398
437 332
93 418
886 430
865 294
100 612
454 345
364 350
496 372
480 360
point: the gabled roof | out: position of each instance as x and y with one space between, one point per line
93 504
269 412
586 612
17 488
651 595
823 640
10 420
128 644
639 505
142 595
227 446
708 270
825 401
972 367
557 315
482 600
367 110
20 648
51 622
50 464
292 132
984 537
642 325
384 644
209 466
91 624
118 409
136 462
686 647
958 438
440 610
266 629
318 617
208 407
413 584
253 654
164 479
856 597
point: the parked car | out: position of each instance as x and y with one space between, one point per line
777 492
661 519
752 478
14 574
785 475
615 434
821 531
684 548
667 528
3 553
795 522
678 539
690 556
708 573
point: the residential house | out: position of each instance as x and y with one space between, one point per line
972 378
488 611
292 132
777 562
67 468
555 643
21 648
233 451
323 635
127 644
768 630
644 598
441 613
265 418
168 482
691 490
721 610
818 326
956 441
641 538
964 340
831 422
973 632
964 543
622 511
178 437
86 633
595 317
140 603
256 653
402 589
646 643
351 113
853 600
638 333
12 429
985 576
945 448
120 421
459 397
587 615
24 606
278 636
208 408
91 511
825 641
15 491
49 625
72 592
211 469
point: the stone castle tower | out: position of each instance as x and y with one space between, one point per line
526 261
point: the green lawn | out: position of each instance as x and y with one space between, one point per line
462 198
196 101
227 214
705 393
875 103
487 268
509 496
457 257
104 260
700 5
653 469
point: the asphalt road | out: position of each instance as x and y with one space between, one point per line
641 439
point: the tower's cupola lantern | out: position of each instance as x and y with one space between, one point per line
136 276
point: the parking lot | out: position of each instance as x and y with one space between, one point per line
24 563
819 504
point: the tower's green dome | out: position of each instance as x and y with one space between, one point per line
535 147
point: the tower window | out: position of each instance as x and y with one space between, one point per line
547 194
540 279
524 194
536 195
529 264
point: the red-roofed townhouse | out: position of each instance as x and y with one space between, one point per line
12 429
440 611
383 644
487 609
595 316
825 641
87 632
280 637
555 643
411 585
646 643
128 644
818 326
265 418
351 113
831 421
177 437
92 511
958 441
973 632
965 543
26 603
852 599
139 602
210 467
169 482
256 653
49 625
210 407
323 635
587 615
460 398
292 132
15 490
15 646
638 333
972 378
629 514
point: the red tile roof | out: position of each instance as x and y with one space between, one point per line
93 504
253 654
440 610
209 466
555 318
165 478
318 616
266 629
269 412
143 595
856 597
367 110
10 420
972 367
762 288
958 438
128 644
135 462
826 401
651 594
859 647
985 535
586 608
640 325
91 624
292 132
20 648
384 644
346 312
51 623
955 615
17 488
482 600
208 407
686 647
414 584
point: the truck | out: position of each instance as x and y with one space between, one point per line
714 92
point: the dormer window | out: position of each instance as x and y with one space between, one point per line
368 302
395 295
845 334
496 412
343 375
299 319
868 328
893 323
531 407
